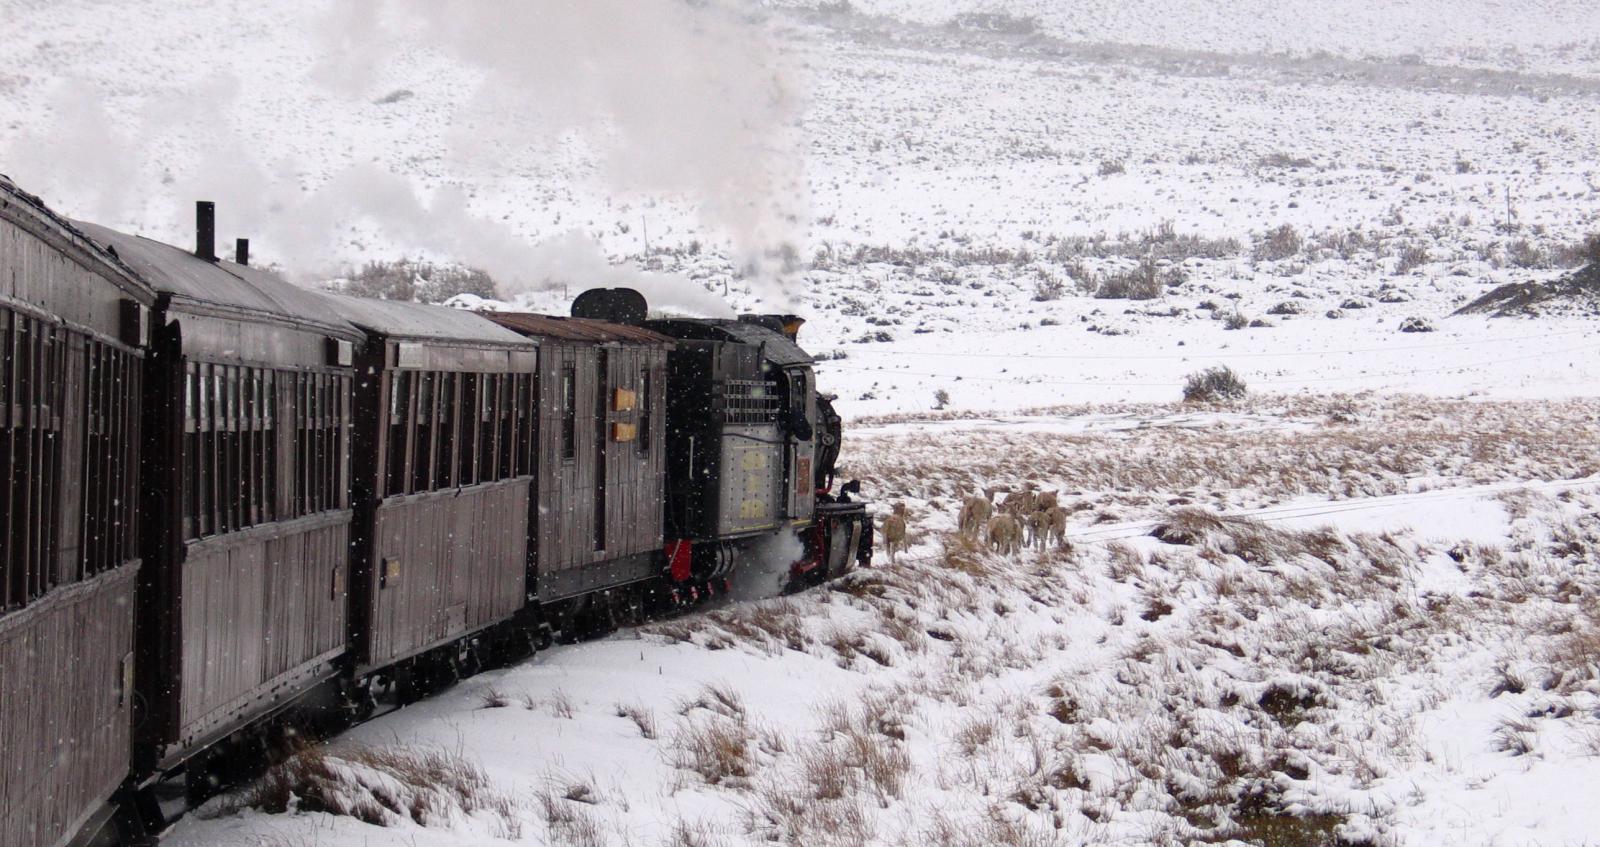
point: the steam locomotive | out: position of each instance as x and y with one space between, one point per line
233 506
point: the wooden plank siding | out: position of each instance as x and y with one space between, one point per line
443 481
69 415
447 563
64 713
246 585
263 609
634 471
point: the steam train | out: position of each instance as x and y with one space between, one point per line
233 505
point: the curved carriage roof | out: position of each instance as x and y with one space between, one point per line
219 287
32 213
397 319
575 329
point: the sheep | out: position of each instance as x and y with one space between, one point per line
894 531
1045 501
1019 504
1005 534
1038 526
975 513
1056 525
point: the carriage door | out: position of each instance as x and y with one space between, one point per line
800 452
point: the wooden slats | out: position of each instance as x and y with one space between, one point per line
67 569
269 604
605 502
446 564
64 735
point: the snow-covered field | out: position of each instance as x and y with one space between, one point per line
966 194
1414 661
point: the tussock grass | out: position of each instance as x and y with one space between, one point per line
383 787
718 750
642 717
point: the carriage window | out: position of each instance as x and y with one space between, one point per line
527 422
448 425
468 430
422 435
32 379
109 488
569 413
399 408
644 411
504 424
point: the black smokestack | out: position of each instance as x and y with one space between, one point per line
241 251
205 230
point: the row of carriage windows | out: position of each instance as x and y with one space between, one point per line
260 445
68 409
248 430
449 429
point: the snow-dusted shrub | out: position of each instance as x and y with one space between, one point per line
1343 243
1416 325
1283 160
1523 253
1279 243
1003 22
1236 320
1112 167
1049 288
423 282
1577 253
1143 281
1213 385
1412 257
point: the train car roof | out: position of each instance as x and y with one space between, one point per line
576 329
398 319
31 212
780 350
223 288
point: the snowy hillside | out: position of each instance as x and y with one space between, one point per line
954 177
1513 36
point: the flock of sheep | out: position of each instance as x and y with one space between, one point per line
1024 518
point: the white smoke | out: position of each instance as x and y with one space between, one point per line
766 571
682 101
686 99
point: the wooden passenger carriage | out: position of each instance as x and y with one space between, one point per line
72 320
601 441
445 450
247 415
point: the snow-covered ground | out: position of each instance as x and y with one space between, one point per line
981 186
1410 662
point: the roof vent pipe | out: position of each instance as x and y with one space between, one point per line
241 251
205 230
